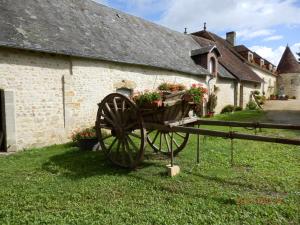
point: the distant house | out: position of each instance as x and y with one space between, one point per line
262 67
235 80
289 75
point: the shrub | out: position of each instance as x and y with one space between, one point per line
227 109
251 105
87 133
238 108
212 102
256 92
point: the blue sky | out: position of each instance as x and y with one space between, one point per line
265 26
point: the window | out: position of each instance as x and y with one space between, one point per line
250 56
262 62
212 65
270 67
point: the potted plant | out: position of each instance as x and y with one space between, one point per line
211 105
195 94
85 139
148 99
168 87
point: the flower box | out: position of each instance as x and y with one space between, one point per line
87 144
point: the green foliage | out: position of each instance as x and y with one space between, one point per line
212 102
238 108
146 98
227 109
62 185
88 133
197 93
251 105
256 92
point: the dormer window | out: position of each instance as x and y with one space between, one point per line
262 62
250 56
270 67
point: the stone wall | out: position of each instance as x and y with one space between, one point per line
269 87
248 88
290 84
225 93
53 95
35 81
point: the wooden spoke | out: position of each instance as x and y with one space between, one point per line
118 116
164 146
107 137
151 131
160 139
112 144
132 125
113 116
167 143
129 152
154 139
135 135
174 141
132 144
180 135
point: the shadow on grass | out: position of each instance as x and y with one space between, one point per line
76 164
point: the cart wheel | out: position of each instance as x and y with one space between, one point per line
160 141
120 131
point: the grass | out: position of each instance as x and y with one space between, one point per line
62 185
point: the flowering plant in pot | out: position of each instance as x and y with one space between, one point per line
196 94
85 139
148 99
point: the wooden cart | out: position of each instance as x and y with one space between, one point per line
124 129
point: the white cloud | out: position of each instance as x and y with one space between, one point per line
274 38
248 34
274 54
222 15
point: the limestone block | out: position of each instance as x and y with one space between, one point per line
173 170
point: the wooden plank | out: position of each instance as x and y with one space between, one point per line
247 124
233 135
187 120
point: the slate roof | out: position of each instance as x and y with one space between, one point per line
230 59
243 50
87 29
288 63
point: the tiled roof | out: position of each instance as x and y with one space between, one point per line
288 63
87 29
230 58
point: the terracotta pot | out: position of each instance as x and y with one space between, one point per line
87 144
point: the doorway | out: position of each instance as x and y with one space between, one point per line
2 123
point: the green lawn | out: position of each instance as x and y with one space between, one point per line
61 185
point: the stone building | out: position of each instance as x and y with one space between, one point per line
59 58
262 67
289 75
235 80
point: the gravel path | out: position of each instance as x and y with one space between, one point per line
287 112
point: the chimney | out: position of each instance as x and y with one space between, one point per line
231 37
